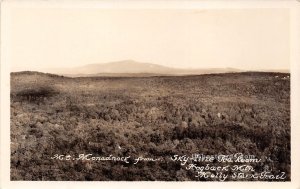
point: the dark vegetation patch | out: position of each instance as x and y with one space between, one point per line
36 93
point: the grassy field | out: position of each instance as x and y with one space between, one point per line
145 116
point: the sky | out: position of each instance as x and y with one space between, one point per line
249 39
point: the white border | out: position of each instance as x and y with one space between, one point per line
6 6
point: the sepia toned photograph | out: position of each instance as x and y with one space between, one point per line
101 94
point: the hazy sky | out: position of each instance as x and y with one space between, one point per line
247 39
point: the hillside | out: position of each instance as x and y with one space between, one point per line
155 117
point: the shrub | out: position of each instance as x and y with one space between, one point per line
36 93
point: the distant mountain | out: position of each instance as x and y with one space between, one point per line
125 66
122 67
133 68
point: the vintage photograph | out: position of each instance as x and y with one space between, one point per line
150 94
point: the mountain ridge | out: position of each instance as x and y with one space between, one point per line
135 67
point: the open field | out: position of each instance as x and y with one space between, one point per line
154 117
